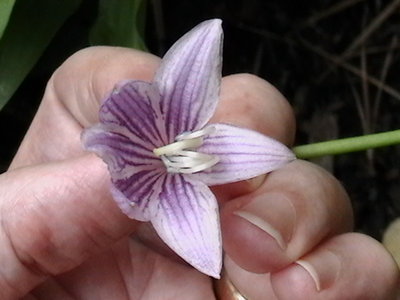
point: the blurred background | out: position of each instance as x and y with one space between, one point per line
336 61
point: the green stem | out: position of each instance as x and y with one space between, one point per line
347 145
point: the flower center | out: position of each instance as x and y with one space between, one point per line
182 157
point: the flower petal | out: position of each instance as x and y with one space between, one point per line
139 195
135 105
121 153
136 173
189 78
242 153
188 222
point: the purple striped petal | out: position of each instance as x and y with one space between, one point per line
136 174
188 222
135 105
139 195
121 151
242 153
189 78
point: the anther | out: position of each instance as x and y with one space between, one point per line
181 157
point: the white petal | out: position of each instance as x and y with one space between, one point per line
188 222
242 153
189 78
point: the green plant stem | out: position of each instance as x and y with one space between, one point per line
347 145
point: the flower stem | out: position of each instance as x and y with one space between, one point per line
347 145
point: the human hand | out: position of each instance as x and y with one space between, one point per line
65 238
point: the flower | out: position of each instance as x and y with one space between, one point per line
162 155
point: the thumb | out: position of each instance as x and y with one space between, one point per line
52 217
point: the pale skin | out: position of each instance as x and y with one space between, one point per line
63 237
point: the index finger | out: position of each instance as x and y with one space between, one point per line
72 99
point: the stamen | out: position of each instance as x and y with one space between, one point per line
181 157
177 146
192 135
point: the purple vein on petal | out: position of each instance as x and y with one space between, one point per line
189 78
188 222
145 197
143 117
184 89
147 115
132 105
242 154
114 140
120 117
139 184
121 155
127 149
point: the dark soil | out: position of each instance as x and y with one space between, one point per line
336 61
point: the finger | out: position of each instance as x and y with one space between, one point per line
53 216
236 280
296 208
251 102
92 73
72 100
349 266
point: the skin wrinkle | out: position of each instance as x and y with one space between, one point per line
14 288
58 107
97 230
32 263
28 262
121 273
149 277
30 297
59 286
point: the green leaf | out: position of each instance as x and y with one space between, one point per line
120 23
6 7
32 25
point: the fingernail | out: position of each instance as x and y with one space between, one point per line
256 182
272 213
323 267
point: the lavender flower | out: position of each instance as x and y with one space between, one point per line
162 155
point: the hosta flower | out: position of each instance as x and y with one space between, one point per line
162 154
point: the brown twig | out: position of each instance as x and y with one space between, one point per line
372 27
337 60
332 58
385 68
334 9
